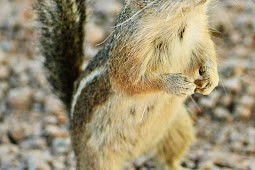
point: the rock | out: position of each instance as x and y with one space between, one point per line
142 160
206 165
222 113
95 35
1 96
16 135
51 119
71 161
251 90
7 149
4 86
53 105
234 136
24 79
144 168
235 37
58 165
207 102
236 146
5 139
20 67
38 159
6 46
232 84
8 154
20 98
59 146
34 143
130 168
4 72
215 95
62 119
247 101
90 53
106 6
226 100
3 57
239 70
243 112
250 150
39 96
248 80
56 132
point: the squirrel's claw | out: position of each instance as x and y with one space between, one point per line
209 82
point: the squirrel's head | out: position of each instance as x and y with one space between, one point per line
139 14
165 7
167 3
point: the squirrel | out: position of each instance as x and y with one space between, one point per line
129 100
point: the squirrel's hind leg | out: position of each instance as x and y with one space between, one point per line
173 146
87 159
89 155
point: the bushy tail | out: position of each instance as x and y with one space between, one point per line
62 35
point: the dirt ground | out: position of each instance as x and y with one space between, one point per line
33 126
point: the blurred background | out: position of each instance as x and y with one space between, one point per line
33 125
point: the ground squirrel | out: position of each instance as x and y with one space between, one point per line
129 99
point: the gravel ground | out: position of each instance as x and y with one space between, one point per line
33 126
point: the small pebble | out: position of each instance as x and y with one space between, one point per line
56 132
243 112
4 72
233 84
222 114
20 98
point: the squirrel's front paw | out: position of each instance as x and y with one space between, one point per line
180 85
209 82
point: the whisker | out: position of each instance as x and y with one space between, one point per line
132 17
175 6
199 109
242 10
225 90
137 13
143 114
104 40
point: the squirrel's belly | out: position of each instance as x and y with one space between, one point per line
126 123
118 122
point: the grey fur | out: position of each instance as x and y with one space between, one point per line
62 34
